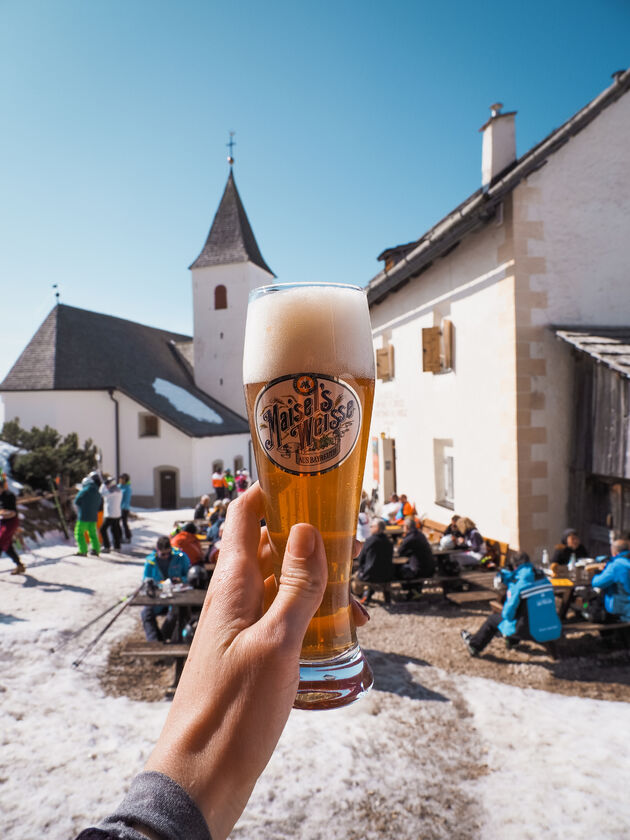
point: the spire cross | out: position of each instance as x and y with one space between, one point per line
231 145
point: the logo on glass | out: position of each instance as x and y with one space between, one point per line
308 423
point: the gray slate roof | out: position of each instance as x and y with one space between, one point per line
231 238
608 345
408 260
75 349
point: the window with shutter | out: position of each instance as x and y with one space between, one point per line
431 350
385 363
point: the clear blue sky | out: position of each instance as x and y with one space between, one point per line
356 128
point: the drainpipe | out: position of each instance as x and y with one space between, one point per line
116 431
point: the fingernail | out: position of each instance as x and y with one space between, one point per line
363 610
301 542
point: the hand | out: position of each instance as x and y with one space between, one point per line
242 673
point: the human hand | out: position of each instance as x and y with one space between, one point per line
242 672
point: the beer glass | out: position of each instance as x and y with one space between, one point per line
308 373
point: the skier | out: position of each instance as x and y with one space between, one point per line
9 523
87 502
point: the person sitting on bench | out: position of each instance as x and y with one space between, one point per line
612 603
569 547
375 561
529 610
165 562
421 563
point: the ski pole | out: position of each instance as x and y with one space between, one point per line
62 519
90 623
94 641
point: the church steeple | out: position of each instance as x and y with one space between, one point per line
231 239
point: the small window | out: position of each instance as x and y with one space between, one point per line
238 463
220 297
444 465
385 363
148 425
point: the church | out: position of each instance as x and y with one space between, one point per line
166 408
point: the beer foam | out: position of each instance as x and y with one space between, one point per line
320 329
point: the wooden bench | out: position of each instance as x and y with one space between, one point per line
386 588
471 596
432 530
572 627
158 650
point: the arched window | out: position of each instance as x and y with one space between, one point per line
238 463
220 297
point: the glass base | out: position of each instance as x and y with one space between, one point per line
332 683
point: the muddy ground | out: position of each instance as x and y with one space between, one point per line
427 632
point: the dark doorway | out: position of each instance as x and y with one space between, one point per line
168 489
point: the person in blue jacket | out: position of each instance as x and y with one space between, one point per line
124 482
512 621
165 562
613 600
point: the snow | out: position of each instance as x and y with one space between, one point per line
430 754
185 402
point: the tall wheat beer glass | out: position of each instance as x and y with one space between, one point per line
308 371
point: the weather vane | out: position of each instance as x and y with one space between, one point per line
56 288
231 145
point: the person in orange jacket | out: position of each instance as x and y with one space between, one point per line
186 540
406 509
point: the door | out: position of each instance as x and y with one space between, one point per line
168 489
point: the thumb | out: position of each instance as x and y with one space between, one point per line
302 583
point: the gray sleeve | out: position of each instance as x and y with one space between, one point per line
159 803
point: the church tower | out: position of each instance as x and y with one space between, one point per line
227 269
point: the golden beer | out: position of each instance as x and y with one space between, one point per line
309 384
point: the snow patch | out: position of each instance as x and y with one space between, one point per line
184 402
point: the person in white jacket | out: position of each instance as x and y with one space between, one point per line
112 500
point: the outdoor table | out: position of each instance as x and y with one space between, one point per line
180 601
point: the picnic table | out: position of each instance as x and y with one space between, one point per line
181 601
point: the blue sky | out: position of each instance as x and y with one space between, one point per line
356 129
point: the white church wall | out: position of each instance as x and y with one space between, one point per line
230 450
219 333
143 457
88 413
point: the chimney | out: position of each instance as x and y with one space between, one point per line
498 149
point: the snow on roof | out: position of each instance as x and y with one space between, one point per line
185 402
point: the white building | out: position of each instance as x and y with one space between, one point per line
474 400
163 407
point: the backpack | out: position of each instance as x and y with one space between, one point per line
542 618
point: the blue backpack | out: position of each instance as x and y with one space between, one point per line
544 624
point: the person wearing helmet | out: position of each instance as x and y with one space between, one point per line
87 502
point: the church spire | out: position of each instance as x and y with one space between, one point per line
231 238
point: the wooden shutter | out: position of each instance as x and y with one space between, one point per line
447 344
385 363
431 349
